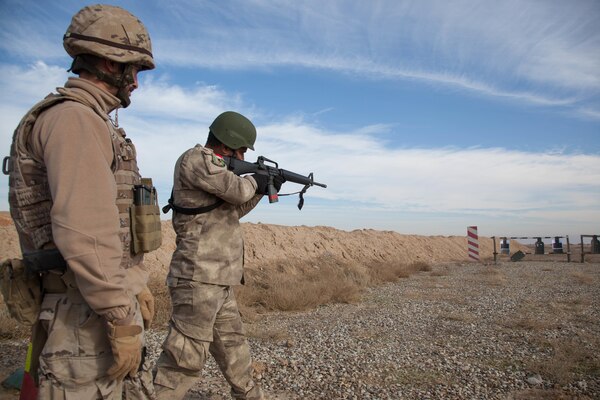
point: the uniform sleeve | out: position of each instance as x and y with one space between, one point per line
77 151
248 206
204 171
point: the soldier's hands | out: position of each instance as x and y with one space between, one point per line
126 344
262 182
146 301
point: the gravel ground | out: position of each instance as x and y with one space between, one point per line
506 331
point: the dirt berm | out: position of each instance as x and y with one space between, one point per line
267 245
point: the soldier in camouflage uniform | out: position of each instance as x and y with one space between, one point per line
208 201
72 173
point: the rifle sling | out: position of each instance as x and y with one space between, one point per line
190 211
44 260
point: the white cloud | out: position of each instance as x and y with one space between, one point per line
22 85
200 103
369 182
545 53
31 30
365 176
591 113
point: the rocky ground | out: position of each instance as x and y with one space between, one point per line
461 331
506 331
512 330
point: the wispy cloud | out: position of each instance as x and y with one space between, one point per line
198 103
495 49
31 31
542 53
529 52
435 190
364 173
22 84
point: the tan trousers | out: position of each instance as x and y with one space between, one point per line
77 354
205 320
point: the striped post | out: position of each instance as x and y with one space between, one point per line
473 243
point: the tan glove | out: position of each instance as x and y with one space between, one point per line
146 301
126 344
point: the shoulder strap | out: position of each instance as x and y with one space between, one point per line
21 133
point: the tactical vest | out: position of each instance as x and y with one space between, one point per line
29 192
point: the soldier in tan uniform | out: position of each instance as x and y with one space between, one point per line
208 201
72 178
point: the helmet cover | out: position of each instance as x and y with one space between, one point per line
109 32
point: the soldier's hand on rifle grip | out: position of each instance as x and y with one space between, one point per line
262 183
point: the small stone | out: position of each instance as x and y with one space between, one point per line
535 380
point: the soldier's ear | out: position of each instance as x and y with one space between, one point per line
111 66
219 148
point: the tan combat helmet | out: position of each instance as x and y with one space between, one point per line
113 33
234 130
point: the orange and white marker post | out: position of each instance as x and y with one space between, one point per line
473 243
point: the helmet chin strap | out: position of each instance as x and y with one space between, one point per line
126 79
120 81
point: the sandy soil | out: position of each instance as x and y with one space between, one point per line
268 245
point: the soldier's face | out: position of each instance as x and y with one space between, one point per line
239 153
229 152
134 77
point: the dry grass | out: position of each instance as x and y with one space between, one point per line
276 335
297 286
9 327
568 359
412 376
459 316
528 323
565 359
531 316
544 394
293 286
162 302
583 278
492 277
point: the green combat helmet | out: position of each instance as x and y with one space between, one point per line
234 130
112 33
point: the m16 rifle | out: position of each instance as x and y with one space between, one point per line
264 166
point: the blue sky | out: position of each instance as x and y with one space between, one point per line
423 117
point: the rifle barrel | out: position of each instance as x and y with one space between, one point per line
301 179
240 167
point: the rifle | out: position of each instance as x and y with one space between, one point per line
240 167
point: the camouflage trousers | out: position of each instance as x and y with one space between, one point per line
205 320
76 353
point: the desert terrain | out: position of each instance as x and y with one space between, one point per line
267 244
434 326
